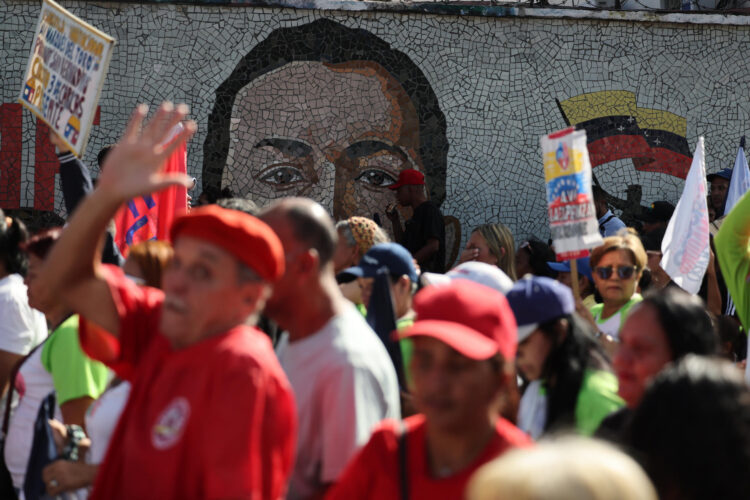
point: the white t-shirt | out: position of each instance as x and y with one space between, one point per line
611 325
344 383
532 411
102 418
33 384
21 327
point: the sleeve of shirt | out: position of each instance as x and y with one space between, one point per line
375 462
74 374
16 327
250 451
596 399
352 404
139 309
733 250
74 179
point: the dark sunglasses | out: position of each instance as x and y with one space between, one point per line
624 272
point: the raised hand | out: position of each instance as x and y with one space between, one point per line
134 166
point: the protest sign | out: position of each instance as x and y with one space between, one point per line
570 202
65 73
686 244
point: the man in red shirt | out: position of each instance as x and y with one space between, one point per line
464 350
211 414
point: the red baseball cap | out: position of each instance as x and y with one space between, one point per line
408 177
473 319
246 237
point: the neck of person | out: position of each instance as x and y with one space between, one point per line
451 451
611 308
417 199
315 306
56 316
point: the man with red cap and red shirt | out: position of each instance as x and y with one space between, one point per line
211 414
464 352
424 234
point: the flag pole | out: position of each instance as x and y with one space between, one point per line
574 277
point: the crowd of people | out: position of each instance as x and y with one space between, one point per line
272 352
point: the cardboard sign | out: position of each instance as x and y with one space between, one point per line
570 201
65 73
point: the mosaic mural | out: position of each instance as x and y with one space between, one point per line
333 104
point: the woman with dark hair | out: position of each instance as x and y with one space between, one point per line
532 257
666 326
369 112
571 384
58 365
21 327
691 431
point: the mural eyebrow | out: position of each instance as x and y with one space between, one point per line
366 148
289 147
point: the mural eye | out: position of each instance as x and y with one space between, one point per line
376 177
282 176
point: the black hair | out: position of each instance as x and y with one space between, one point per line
645 282
102 156
684 320
12 237
329 42
240 204
691 431
41 243
539 254
565 367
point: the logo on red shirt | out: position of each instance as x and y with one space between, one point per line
170 424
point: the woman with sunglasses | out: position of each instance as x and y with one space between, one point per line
617 265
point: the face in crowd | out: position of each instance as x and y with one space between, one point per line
206 292
718 194
450 389
644 350
616 276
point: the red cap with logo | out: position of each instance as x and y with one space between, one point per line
408 177
473 319
249 239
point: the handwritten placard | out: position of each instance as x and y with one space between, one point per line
65 74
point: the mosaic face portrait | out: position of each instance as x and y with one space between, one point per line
327 112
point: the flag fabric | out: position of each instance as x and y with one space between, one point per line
149 217
740 183
686 245
738 186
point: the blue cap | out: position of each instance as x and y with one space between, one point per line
725 173
584 267
536 300
392 256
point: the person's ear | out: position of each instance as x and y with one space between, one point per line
309 261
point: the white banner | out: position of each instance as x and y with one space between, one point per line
65 73
740 183
686 242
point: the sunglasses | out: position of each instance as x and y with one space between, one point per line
624 272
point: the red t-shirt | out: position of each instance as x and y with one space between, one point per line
374 473
214 420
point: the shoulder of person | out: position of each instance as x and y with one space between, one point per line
512 435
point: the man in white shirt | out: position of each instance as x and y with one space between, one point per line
609 223
343 379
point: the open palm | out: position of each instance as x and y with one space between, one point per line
134 167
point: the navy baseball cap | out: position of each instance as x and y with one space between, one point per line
725 173
392 256
536 300
584 267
